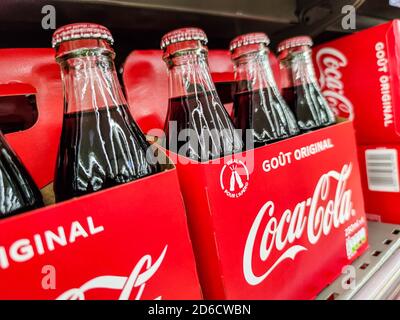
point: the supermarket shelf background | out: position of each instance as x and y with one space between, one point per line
140 24
377 271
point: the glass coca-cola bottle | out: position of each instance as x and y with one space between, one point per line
18 192
300 87
197 124
101 145
258 104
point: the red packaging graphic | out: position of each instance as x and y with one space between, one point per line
359 76
290 210
114 244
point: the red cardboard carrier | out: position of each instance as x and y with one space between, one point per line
289 220
360 77
126 242
34 71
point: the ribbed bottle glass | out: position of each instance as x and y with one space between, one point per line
197 125
301 90
18 192
258 104
101 145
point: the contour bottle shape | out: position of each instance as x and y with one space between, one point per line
197 124
258 104
101 145
18 192
301 89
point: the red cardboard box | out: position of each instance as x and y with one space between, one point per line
359 76
297 213
114 244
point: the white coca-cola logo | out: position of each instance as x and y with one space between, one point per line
315 216
329 62
140 275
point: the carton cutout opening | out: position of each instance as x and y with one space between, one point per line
18 109
17 112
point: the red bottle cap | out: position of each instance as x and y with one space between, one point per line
183 34
248 39
295 42
78 31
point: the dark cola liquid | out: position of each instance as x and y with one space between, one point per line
100 149
18 192
198 127
267 118
309 107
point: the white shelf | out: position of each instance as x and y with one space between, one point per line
376 273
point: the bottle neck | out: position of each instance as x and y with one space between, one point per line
188 73
298 68
253 72
90 80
